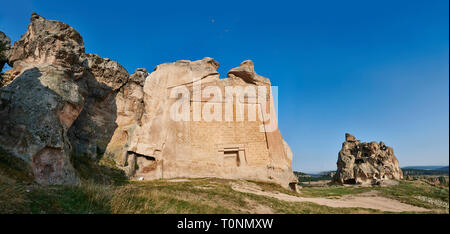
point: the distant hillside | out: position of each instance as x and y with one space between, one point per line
305 177
407 171
440 168
301 174
443 168
421 172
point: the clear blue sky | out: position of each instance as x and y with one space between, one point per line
376 69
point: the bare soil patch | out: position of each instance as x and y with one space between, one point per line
370 200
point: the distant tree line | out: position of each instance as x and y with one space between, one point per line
414 172
304 177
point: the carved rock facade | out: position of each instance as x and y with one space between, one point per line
150 144
58 102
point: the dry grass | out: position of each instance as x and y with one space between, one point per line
104 190
161 196
421 193
13 199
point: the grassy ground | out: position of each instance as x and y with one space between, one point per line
104 190
160 196
418 192
194 196
331 191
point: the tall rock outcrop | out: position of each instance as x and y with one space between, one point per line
47 42
148 143
366 163
42 99
58 102
94 127
129 109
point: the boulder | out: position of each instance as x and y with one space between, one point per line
366 163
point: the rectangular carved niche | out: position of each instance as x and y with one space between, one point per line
231 155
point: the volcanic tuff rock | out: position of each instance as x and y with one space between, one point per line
36 110
5 43
57 102
246 71
151 145
366 162
47 42
42 99
95 125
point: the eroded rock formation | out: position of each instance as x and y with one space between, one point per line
42 99
151 145
5 44
93 129
366 163
57 102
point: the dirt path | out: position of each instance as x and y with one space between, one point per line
369 200
178 180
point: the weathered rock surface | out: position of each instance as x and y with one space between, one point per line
58 102
366 163
129 109
94 127
36 110
246 71
47 42
41 99
151 145
5 42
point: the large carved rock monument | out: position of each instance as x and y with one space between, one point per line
57 102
